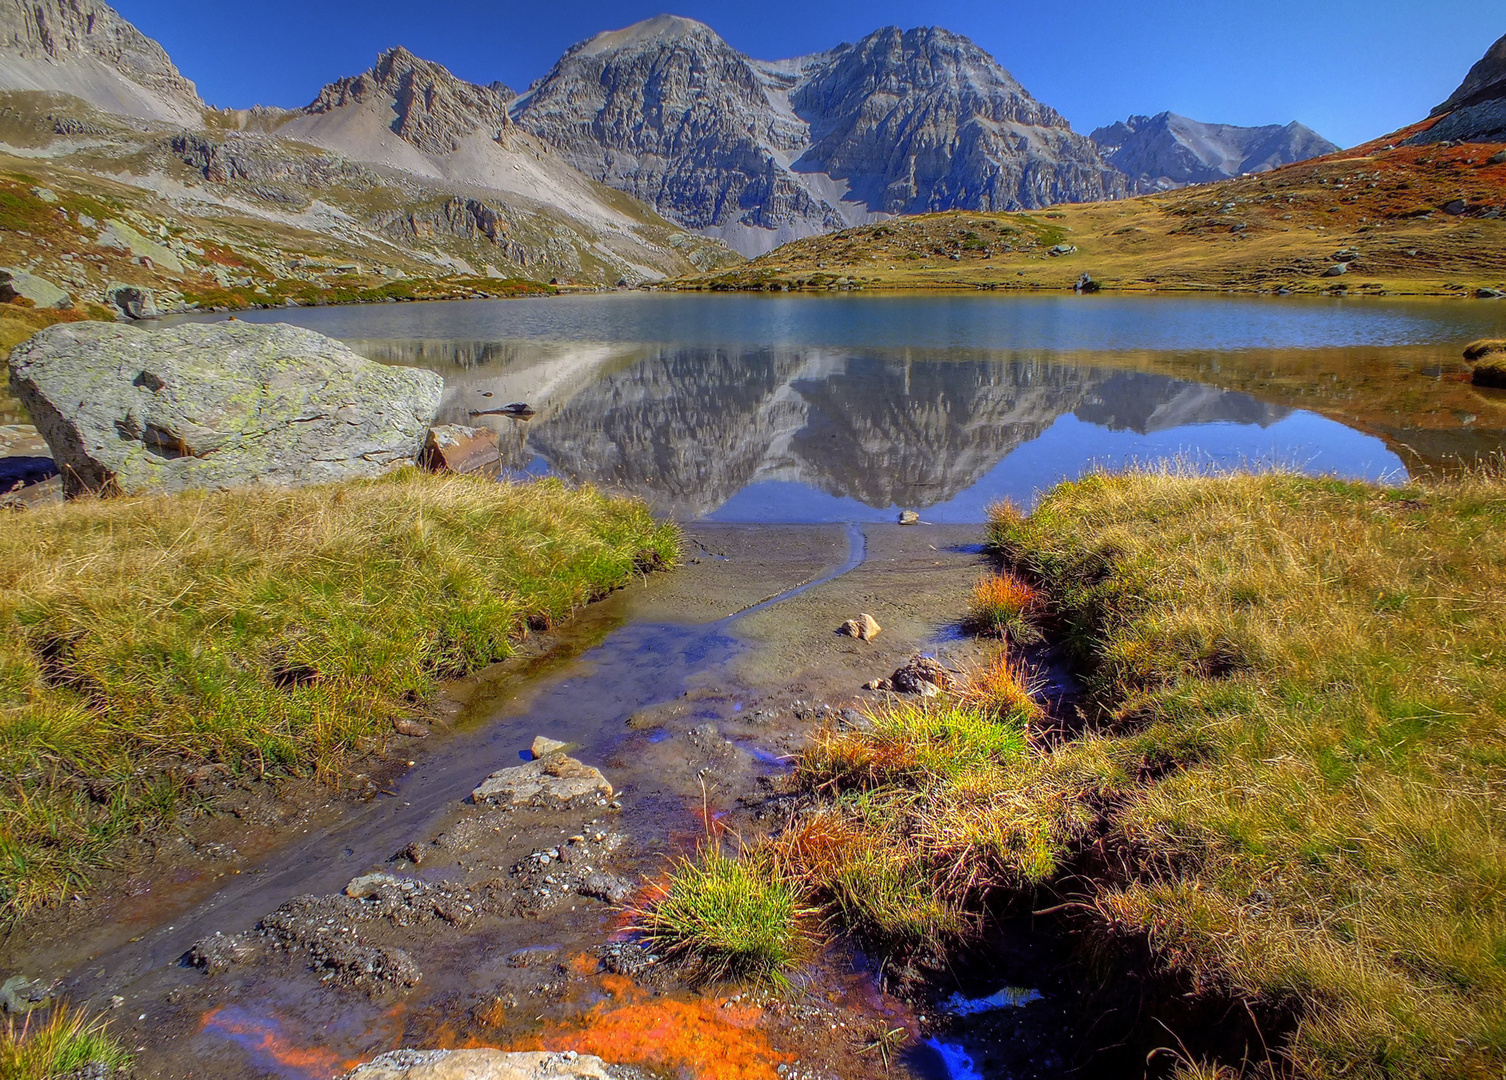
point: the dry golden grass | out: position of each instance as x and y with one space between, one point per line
267 631
920 812
1001 606
1306 757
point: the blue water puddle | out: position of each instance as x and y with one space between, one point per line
957 1061
1010 997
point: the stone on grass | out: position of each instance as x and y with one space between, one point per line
556 781
19 285
215 406
404 725
865 627
132 301
483 1065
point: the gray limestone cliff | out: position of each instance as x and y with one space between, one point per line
1166 151
761 153
84 48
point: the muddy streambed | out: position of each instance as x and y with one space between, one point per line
496 926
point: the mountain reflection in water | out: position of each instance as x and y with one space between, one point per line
817 434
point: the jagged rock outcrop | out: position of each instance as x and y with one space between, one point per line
1166 151
84 48
763 153
434 110
260 160
1476 111
211 405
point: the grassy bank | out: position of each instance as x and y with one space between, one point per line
1289 786
147 643
1304 748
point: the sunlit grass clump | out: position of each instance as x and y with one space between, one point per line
1001 606
729 917
259 632
62 1043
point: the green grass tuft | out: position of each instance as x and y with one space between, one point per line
64 1043
732 917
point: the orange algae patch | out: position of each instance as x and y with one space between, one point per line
266 1044
699 1040
584 964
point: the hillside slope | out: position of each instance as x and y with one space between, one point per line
1382 219
85 49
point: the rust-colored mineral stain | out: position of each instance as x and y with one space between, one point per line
703 1039
263 1040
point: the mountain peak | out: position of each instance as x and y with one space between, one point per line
659 30
1168 150
434 108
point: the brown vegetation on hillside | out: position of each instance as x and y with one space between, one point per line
1398 219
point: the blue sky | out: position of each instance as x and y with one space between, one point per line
1351 69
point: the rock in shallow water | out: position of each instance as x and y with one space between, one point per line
483 1065
555 781
216 405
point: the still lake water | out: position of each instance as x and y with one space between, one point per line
850 407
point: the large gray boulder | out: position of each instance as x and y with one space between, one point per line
216 405
483 1065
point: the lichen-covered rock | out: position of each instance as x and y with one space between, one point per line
19 285
216 405
483 1065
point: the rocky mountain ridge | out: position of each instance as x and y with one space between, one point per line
409 169
1476 111
435 110
84 48
760 153
1167 151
